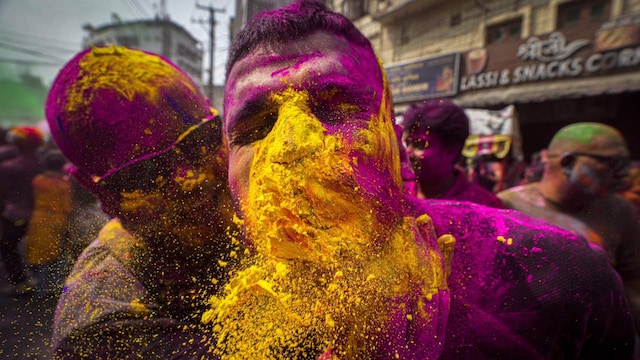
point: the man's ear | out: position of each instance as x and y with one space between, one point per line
566 162
108 200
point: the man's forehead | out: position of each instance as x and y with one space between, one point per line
272 52
313 61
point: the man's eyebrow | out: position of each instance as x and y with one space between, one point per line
345 87
293 60
250 107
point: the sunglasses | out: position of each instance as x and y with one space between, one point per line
616 163
153 170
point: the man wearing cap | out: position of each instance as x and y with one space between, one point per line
434 134
143 139
16 203
577 192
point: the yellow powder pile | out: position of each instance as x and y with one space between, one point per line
329 276
298 309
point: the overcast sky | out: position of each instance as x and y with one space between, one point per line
45 34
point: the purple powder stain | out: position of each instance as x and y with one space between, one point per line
299 59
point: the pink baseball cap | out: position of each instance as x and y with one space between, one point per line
109 106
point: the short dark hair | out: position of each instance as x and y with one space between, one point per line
294 21
53 160
441 117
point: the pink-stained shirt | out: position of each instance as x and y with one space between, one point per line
463 190
117 304
523 289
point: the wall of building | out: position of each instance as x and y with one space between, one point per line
589 72
444 26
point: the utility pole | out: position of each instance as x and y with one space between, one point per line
212 42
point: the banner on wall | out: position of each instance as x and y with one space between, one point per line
493 133
424 78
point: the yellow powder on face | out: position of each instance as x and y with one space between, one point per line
190 180
193 198
303 198
380 143
294 309
328 276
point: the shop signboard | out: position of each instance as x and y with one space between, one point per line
424 78
608 49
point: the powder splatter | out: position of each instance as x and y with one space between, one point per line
331 276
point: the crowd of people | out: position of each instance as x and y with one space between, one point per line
37 199
304 222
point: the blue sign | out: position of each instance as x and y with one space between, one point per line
425 78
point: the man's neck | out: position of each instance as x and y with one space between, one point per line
437 189
561 197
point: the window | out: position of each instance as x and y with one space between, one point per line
455 20
404 33
127 40
355 9
504 31
576 14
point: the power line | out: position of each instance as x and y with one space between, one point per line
126 3
27 51
34 37
140 9
29 62
212 42
152 5
16 41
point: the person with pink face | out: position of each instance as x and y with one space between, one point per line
16 204
578 192
434 134
144 140
345 265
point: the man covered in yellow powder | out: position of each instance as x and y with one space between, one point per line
143 139
345 266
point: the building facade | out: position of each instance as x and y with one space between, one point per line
247 9
557 61
159 36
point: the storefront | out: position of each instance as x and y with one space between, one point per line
573 75
587 74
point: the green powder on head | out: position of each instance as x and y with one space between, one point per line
582 133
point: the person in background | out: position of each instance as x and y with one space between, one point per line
86 220
7 151
578 192
434 135
535 170
16 195
143 139
631 185
349 267
406 171
48 228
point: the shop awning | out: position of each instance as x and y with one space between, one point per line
561 89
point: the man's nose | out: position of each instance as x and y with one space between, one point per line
296 134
